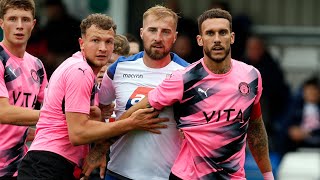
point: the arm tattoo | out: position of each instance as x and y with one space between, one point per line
257 138
98 151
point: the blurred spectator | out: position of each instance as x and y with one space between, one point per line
276 92
62 33
183 47
37 44
241 26
121 48
187 32
304 117
134 44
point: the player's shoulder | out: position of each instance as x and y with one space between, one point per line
178 60
242 65
30 57
125 61
75 63
243 68
192 67
131 58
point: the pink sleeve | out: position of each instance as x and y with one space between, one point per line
106 92
168 92
79 86
259 92
43 85
3 87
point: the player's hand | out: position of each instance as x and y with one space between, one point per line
31 134
95 158
107 110
146 119
95 113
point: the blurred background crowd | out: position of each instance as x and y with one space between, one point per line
278 37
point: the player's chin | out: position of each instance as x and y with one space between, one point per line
98 64
101 62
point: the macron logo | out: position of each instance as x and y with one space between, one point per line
133 76
202 91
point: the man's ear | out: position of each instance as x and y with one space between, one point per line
233 37
175 37
141 32
80 40
1 23
199 40
34 23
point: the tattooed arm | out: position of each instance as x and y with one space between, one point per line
96 158
258 144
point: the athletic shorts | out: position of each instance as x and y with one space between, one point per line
174 177
42 165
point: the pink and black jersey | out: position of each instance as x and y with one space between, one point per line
213 111
22 81
70 89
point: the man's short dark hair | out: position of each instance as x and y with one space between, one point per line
17 4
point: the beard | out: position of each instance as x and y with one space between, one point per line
155 54
94 65
217 60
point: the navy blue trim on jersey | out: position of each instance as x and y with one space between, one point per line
3 57
63 105
112 68
94 91
15 153
40 71
175 58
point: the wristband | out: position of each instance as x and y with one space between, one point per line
268 175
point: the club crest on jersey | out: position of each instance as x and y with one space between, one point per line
244 88
35 76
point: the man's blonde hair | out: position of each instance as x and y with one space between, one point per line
161 12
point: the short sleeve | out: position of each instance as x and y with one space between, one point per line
106 92
259 91
79 84
3 87
168 92
43 85
256 110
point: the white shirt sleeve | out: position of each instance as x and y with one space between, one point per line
107 91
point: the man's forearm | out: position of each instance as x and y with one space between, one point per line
20 116
144 103
258 144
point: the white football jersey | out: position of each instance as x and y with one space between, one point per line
140 154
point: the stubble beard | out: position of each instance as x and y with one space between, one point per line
217 60
155 54
93 65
